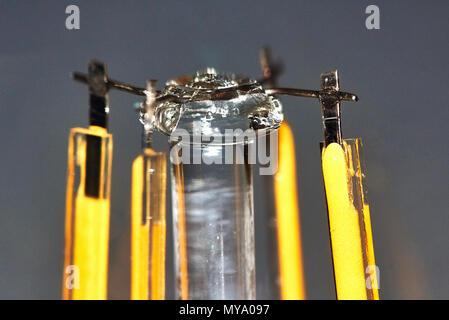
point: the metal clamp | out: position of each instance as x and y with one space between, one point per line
329 96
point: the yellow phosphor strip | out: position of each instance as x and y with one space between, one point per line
291 271
148 226
87 219
91 247
140 236
346 241
372 270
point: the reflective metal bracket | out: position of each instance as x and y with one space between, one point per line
330 107
270 70
330 95
147 114
98 94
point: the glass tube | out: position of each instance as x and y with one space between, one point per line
355 271
212 120
148 226
87 214
214 227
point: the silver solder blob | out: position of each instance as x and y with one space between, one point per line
250 108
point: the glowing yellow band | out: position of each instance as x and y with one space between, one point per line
287 214
344 226
148 237
87 222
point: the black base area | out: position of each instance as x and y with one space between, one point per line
98 115
93 166
258 309
332 131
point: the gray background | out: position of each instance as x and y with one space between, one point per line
400 73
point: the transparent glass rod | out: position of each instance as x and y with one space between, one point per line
214 226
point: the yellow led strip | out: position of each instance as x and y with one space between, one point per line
291 271
140 239
372 272
87 222
349 270
148 238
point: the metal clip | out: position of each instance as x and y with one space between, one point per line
147 114
98 94
330 97
270 70
99 86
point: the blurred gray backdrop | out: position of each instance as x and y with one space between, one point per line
400 73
